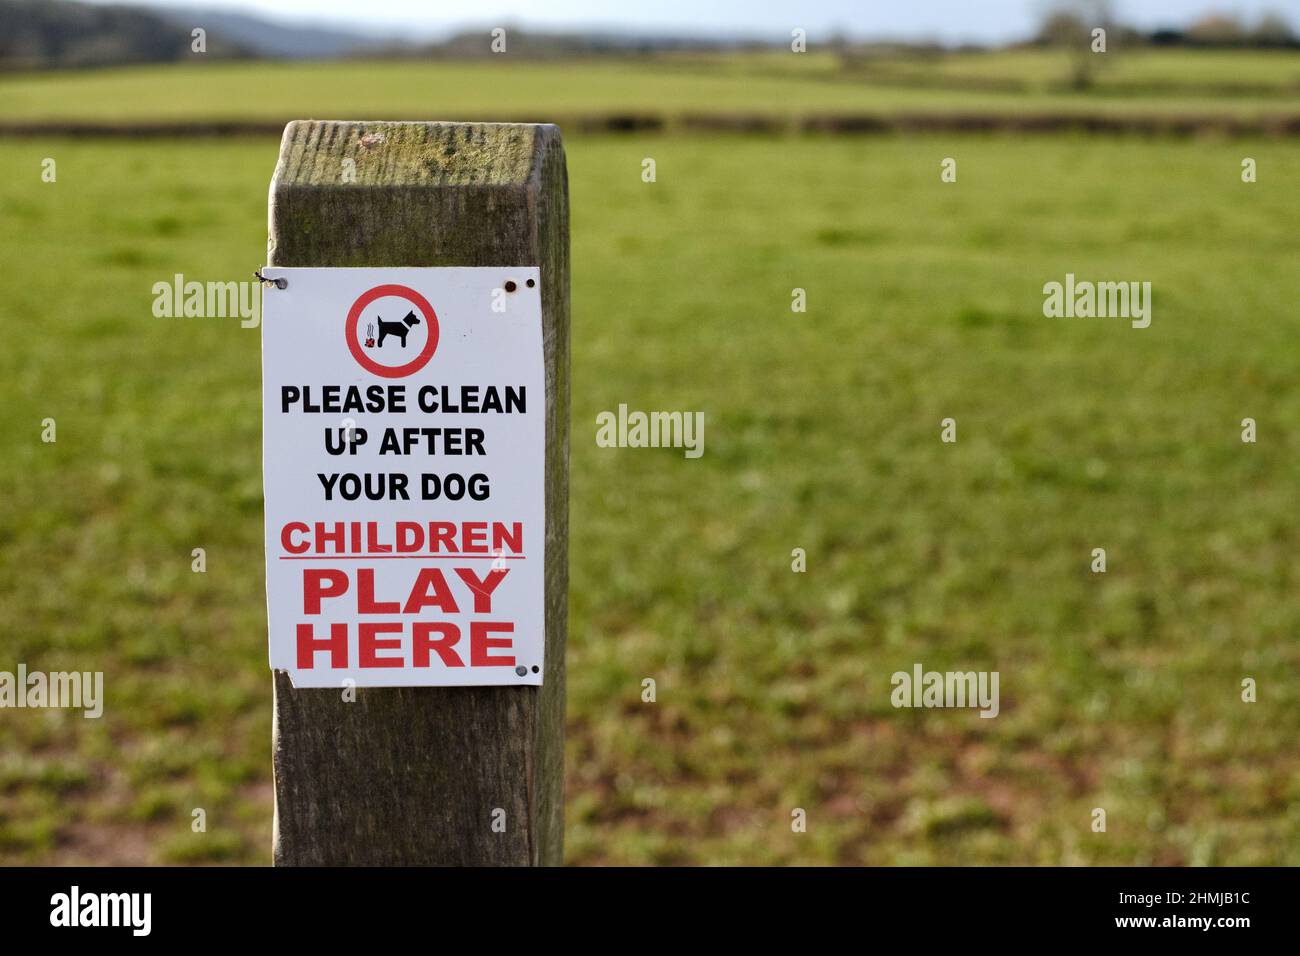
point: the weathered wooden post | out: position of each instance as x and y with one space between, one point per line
418 775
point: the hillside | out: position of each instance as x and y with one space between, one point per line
56 33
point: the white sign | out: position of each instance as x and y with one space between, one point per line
403 426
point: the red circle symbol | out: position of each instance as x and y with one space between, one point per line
430 320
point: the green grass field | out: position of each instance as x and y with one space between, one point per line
783 85
1119 691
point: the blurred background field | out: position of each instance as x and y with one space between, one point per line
781 85
1119 691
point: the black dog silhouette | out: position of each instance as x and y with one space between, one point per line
399 329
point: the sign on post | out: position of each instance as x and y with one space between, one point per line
417 452
404 431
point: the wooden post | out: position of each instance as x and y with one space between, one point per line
413 776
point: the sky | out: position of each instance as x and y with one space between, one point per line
950 21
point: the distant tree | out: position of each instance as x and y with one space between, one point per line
1068 25
1060 28
1167 36
1273 30
1217 29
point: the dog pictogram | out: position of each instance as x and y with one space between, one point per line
399 329
364 346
